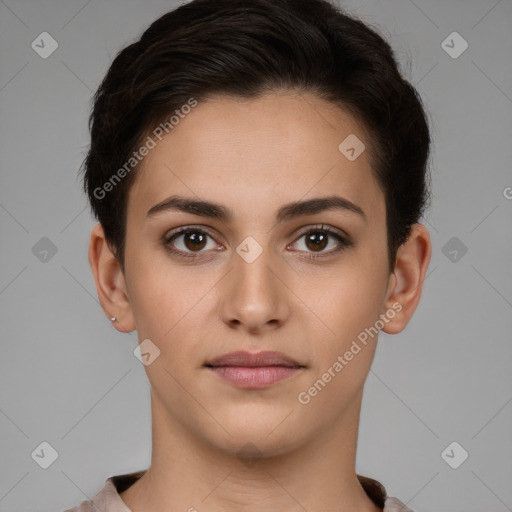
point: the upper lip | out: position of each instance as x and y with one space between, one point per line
242 358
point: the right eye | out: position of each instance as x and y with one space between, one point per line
186 241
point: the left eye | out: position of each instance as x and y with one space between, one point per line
317 239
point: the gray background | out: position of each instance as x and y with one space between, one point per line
70 379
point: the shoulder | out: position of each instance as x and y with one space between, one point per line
108 499
85 506
395 505
378 494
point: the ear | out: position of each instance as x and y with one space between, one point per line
406 281
110 281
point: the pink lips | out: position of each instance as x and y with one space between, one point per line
254 371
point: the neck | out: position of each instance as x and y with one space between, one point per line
190 474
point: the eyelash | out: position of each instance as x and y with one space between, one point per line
343 241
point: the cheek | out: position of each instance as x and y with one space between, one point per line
158 297
352 298
349 306
167 304
344 354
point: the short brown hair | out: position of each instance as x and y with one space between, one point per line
244 48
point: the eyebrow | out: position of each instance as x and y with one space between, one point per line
289 211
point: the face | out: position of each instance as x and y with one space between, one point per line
260 271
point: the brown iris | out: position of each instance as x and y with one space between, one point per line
194 240
318 240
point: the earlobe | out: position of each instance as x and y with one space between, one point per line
406 281
110 281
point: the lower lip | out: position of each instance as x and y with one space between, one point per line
254 377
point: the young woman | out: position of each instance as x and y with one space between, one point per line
258 169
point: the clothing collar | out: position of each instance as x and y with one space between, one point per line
118 483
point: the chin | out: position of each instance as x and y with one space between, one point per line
250 448
259 434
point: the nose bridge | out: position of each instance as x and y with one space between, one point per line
254 296
253 274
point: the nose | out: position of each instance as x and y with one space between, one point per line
254 297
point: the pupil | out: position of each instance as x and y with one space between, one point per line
196 238
318 240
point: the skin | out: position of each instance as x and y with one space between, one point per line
254 156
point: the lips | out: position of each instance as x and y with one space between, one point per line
251 360
254 371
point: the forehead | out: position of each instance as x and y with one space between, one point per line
253 155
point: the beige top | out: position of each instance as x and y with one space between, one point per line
108 499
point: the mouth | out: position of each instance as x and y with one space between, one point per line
254 371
